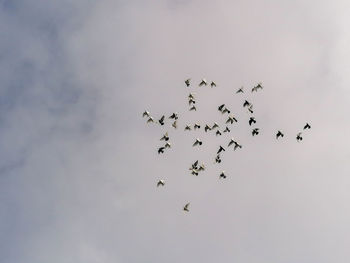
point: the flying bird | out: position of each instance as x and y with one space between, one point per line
222 175
167 145
160 183
193 108
197 126
174 124
215 125
279 134
250 108
221 107
201 168
186 207
251 120
231 119
197 142
203 82
255 131
307 126
161 120
246 103
240 90
150 119
207 127
257 87
212 84
227 129
161 150
187 82
218 159
191 101
220 149
174 116
145 114
299 138
187 128
191 96
165 137
226 110
237 145
218 133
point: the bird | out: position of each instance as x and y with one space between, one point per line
167 145
174 116
231 119
197 142
218 159
222 175
212 84
220 149
307 126
240 90
227 129
187 82
251 120
194 165
195 172
257 87
187 128
161 120
160 183
201 168
191 95
255 131
186 207
218 133
226 110
221 107
250 108
174 124
150 119
237 145
161 150
197 126
193 108
279 134
299 138
165 137
207 127
191 101
215 125
203 82
246 103
145 114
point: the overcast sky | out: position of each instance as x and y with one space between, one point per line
79 164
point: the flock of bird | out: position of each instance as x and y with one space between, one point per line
196 168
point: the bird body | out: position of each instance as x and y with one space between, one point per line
150 119
174 116
161 150
165 137
299 138
193 108
197 142
218 133
207 127
187 128
220 149
197 126
251 120
174 124
203 83
231 119
259 86
227 129
307 126
255 131
145 114
246 103
187 82
212 84
215 125
186 207
222 175
160 183
240 90
279 134
161 120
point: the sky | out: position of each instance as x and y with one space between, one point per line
79 164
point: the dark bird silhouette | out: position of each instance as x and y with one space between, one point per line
207 127
174 124
161 120
215 125
307 126
187 128
259 86
226 110
191 95
145 114
250 108
165 137
251 120
279 134
240 90
187 82
160 183
197 142
222 175
246 103
220 149
218 133
201 168
299 138
227 129
218 159
150 119
255 131
237 145
186 207
203 83
167 145
197 126
174 116
191 101
212 84
231 119
193 108
221 107
161 150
